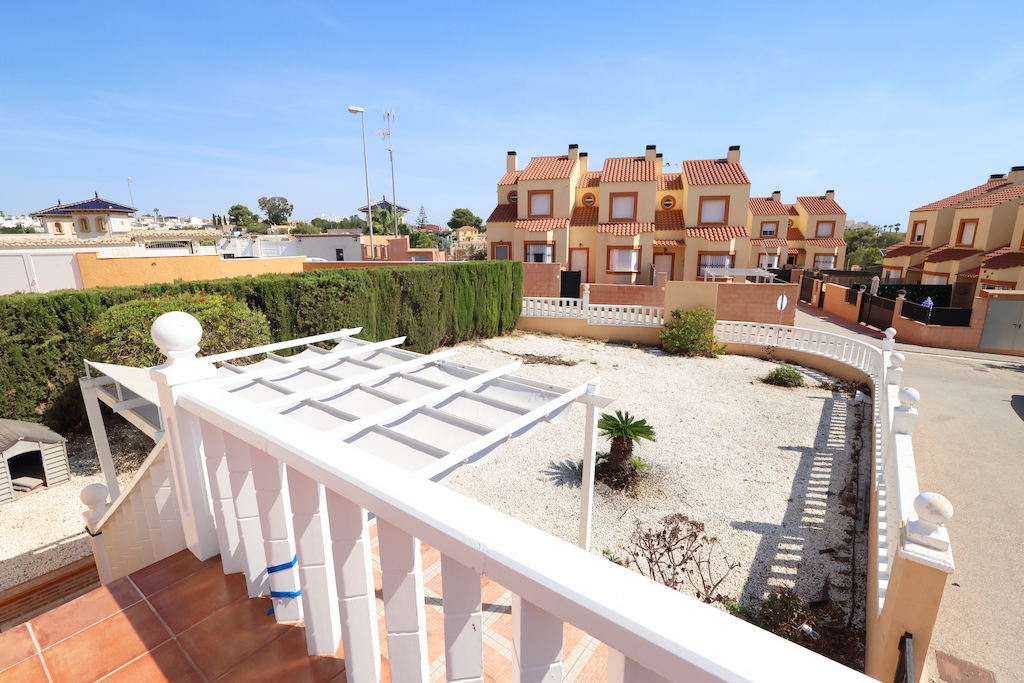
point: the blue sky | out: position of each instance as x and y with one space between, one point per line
208 104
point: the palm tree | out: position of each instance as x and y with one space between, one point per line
623 429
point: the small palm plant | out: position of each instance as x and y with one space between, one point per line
624 430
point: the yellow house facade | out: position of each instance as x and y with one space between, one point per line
949 240
87 219
806 234
626 222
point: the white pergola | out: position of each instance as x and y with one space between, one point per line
426 413
716 273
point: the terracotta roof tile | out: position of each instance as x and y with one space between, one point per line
510 178
670 181
995 252
589 179
542 224
903 249
718 234
714 172
669 219
996 198
625 229
964 196
972 273
584 215
548 168
770 243
669 243
766 206
792 209
1011 259
794 233
795 252
827 242
919 266
819 206
948 253
628 169
503 213
124 238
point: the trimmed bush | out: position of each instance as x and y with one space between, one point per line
122 334
785 376
44 337
691 333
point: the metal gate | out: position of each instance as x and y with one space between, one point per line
1004 326
876 311
806 288
570 287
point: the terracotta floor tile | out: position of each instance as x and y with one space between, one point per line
571 637
162 574
435 634
596 669
503 626
15 645
231 636
166 664
105 646
433 584
28 671
83 612
285 659
494 663
187 602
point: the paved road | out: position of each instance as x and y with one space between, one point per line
969 446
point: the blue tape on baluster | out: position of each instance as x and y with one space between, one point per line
285 594
282 567
270 611
94 535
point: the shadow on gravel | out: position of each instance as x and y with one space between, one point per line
566 473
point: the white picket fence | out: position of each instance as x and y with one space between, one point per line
595 314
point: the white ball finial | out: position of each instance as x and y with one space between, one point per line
890 333
177 334
909 397
93 495
897 359
933 508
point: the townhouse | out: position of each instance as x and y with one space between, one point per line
625 222
972 237
805 234
96 217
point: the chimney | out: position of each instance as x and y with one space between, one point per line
511 162
830 194
1016 174
584 162
777 196
996 176
574 151
651 152
733 157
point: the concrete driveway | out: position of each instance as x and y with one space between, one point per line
969 446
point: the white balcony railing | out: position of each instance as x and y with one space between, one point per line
594 314
552 307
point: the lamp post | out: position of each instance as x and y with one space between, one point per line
366 169
130 194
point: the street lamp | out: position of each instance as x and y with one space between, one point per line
130 194
366 169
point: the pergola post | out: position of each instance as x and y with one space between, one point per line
589 463
99 436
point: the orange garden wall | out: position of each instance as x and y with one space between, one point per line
144 270
542 279
755 302
629 295
835 303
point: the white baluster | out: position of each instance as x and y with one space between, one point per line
94 497
220 495
151 519
402 578
319 597
357 605
271 498
537 644
252 554
463 627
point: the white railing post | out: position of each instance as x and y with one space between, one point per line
94 496
894 373
589 463
586 299
905 415
357 604
463 622
536 644
271 498
177 335
933 511
889 343
401 569
319 596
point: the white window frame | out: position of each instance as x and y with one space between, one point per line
819 260
617 203
915 236
774 232
962 232
710 201
768 261
935 280
541 197
831 230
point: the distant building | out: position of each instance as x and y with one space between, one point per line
87 219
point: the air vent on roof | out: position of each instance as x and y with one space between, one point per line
733 147
574 146
1017 168
659 155
997 176
652 147
583 154
511 153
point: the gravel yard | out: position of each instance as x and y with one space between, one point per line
767 469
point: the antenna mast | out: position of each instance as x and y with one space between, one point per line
389 114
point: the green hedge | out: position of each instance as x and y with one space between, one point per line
45 337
